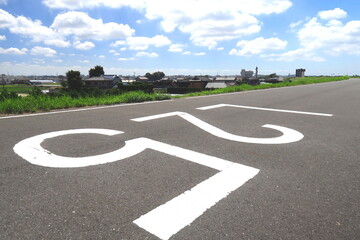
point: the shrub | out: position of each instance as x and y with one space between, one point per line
5 94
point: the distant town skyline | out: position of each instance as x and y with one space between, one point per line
193 37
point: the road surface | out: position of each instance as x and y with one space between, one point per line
268 164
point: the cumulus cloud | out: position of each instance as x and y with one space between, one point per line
77 25
82 26
336 13
47 52
81 4
84 45
143 43
258 46
13 51
176 48
301 53
2 37
324 35
147 54
208 22
334 37
218 20
43 51
126 59
28 28
194 54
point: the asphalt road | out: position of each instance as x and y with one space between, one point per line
305 188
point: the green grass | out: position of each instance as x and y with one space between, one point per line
246 87
21 88
45 103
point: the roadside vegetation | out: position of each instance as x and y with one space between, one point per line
21 88
286 83
74 95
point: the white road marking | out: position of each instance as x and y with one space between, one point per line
289 135
265 109
169 218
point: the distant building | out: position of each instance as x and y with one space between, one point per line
226 79
99 82
141 79
300 72
246 74
41 82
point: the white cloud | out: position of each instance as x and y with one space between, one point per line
13 51
298 54
81 4
211 21
143 43
102 56
2 37
336 13
258 46
322 36
47 52
84 61
126 59
207 21
82 26
176 48
118 43
147 54
296 24
84 45
57 43
334 37
38 61
188 53
28 28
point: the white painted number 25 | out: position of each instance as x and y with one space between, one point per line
169 218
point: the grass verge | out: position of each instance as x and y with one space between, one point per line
45 103
246 87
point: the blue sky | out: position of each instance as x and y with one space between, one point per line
189 37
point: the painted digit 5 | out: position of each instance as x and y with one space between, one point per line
169 218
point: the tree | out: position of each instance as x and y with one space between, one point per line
97 71
158 75
149 76
155 76
74 80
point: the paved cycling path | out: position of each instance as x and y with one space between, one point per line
267 164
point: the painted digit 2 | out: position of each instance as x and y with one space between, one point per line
288 135
169 218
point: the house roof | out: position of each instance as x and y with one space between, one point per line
98 79
216 85
225 79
